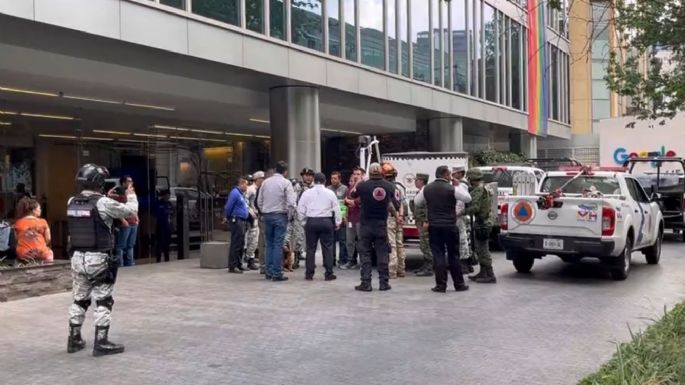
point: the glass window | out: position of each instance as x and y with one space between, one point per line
227 11
476 51
555 82
404 36
307 23
516 65
350 31
391 27
502 58
601 109
334 27
254 15
372 37
490 30
605 184
445 33
277 16
524 77
180 4
420 40
437 42
459 45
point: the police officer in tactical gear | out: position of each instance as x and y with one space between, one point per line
480 209
377 200
93 265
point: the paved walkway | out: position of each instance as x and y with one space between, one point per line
185 325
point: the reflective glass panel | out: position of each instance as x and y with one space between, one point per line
459 45
307 23
277 22
516 65
420 40
555 82
372 37
391 27
404 35
180 4
254 15
350 31
490 30
476 50
437 42
334 27
227 11
445 34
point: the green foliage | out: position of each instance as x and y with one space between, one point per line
653 357
643 25
488 157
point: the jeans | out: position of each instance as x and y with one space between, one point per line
126 241
341 239
275 226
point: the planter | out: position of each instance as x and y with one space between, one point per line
32 281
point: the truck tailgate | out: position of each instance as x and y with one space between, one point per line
577 217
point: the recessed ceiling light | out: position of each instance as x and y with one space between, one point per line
207 131
341 131
259 120
46 116
57 136
198 139
8 113
150 106
97 138
30 92
5 124
149 135
130 140
172 128
112 132
87 99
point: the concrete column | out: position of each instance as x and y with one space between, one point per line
446 134
524 143
295 127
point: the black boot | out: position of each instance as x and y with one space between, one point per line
75 342
102 345
481 274
296 260
251 265
488 278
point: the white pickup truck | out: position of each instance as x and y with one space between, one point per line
604 214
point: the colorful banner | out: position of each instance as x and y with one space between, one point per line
537 69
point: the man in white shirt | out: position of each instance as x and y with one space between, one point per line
320 211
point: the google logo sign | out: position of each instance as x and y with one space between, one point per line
621 154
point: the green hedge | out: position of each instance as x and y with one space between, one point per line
653 357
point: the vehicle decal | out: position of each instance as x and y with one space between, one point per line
587 213
642 223
523 212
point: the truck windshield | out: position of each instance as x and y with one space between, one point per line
604 184
504 178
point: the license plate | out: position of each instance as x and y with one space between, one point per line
553 244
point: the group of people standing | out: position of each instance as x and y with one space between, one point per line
271 217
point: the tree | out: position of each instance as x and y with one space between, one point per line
642 27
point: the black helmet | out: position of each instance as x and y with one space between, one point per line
92 177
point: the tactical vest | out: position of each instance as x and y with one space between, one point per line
87 230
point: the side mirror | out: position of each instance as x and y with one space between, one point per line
656 196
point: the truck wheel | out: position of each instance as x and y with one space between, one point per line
522 263
621 268
653 253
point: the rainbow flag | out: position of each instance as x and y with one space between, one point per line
538 107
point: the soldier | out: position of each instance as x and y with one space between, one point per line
421 220
295 233
253 233
395 222
93 265
480 210
458 173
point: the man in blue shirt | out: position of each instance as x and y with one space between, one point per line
237 215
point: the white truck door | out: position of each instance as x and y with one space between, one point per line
644 217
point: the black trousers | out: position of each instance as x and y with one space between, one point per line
163 243
237 228
315 230
373 236
443 238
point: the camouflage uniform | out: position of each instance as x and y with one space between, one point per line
396 236
481 210
252 234
421 218
295 232
462 225
92 273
